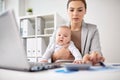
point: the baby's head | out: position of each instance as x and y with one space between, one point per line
63 35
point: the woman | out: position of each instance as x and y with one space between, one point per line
84 35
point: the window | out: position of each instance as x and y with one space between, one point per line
1 5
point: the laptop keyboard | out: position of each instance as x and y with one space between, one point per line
43 66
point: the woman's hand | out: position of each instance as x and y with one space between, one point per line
96 57
86 58
93 58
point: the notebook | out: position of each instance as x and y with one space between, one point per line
12 51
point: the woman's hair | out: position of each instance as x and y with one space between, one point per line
84 2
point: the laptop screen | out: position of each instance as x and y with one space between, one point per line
12 53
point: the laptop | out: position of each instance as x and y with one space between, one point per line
12 51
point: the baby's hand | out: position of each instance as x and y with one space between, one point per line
77 61
45 61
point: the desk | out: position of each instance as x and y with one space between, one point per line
52 75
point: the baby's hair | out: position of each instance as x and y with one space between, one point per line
65 27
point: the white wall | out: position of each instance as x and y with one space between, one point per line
103 13
12 4
46 6
17 5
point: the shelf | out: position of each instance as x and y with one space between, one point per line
25 37
38 36
49 28
36 32
44 35
47 17
34 56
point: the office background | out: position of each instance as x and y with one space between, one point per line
103 13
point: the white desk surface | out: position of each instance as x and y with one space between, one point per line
52 75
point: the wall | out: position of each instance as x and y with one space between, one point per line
17 5
46 6
12 4
103 13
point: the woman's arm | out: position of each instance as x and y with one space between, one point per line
95 42
95 55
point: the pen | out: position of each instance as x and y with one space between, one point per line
102 64
115 64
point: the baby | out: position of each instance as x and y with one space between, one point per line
63 40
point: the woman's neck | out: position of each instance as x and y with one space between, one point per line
75 27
